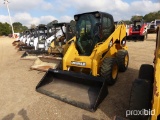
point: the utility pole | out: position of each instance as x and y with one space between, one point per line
6 2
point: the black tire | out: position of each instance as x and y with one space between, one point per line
107 68
140 98
20 48
60 67
121 54
145 36
146 72
142 38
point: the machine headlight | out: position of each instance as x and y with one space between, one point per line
97 15
123 42
111 43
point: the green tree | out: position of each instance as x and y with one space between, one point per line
152 16
24 28
18 27
127 22
5 29
136 17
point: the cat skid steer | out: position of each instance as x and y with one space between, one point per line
90 64
57 48
145 90
144 96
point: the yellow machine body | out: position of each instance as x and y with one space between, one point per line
93 62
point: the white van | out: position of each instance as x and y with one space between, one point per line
157 22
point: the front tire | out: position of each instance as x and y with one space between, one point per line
123 60
140 98
109 70
146 72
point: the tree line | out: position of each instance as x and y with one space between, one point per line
5 28
147 18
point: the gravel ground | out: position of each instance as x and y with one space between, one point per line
20 101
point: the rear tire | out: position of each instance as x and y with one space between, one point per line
146 72
142 38
20 48
140 98
60 66
123 60
109 70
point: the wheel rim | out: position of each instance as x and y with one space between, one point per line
114 71
126 61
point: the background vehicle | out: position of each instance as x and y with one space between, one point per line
23 39
57 48
18 39
58 31
151 28
29 41
137 31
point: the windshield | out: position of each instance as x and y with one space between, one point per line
138 23
27 33
51 31
42 31
86 30
32 33
59 31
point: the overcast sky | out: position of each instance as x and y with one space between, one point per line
43 11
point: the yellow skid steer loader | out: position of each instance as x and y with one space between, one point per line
90 64
145 90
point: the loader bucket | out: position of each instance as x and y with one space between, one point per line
14 43
78 89
32 54
23 48
19 45
43 63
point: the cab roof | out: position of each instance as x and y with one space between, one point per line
60 24
101 13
